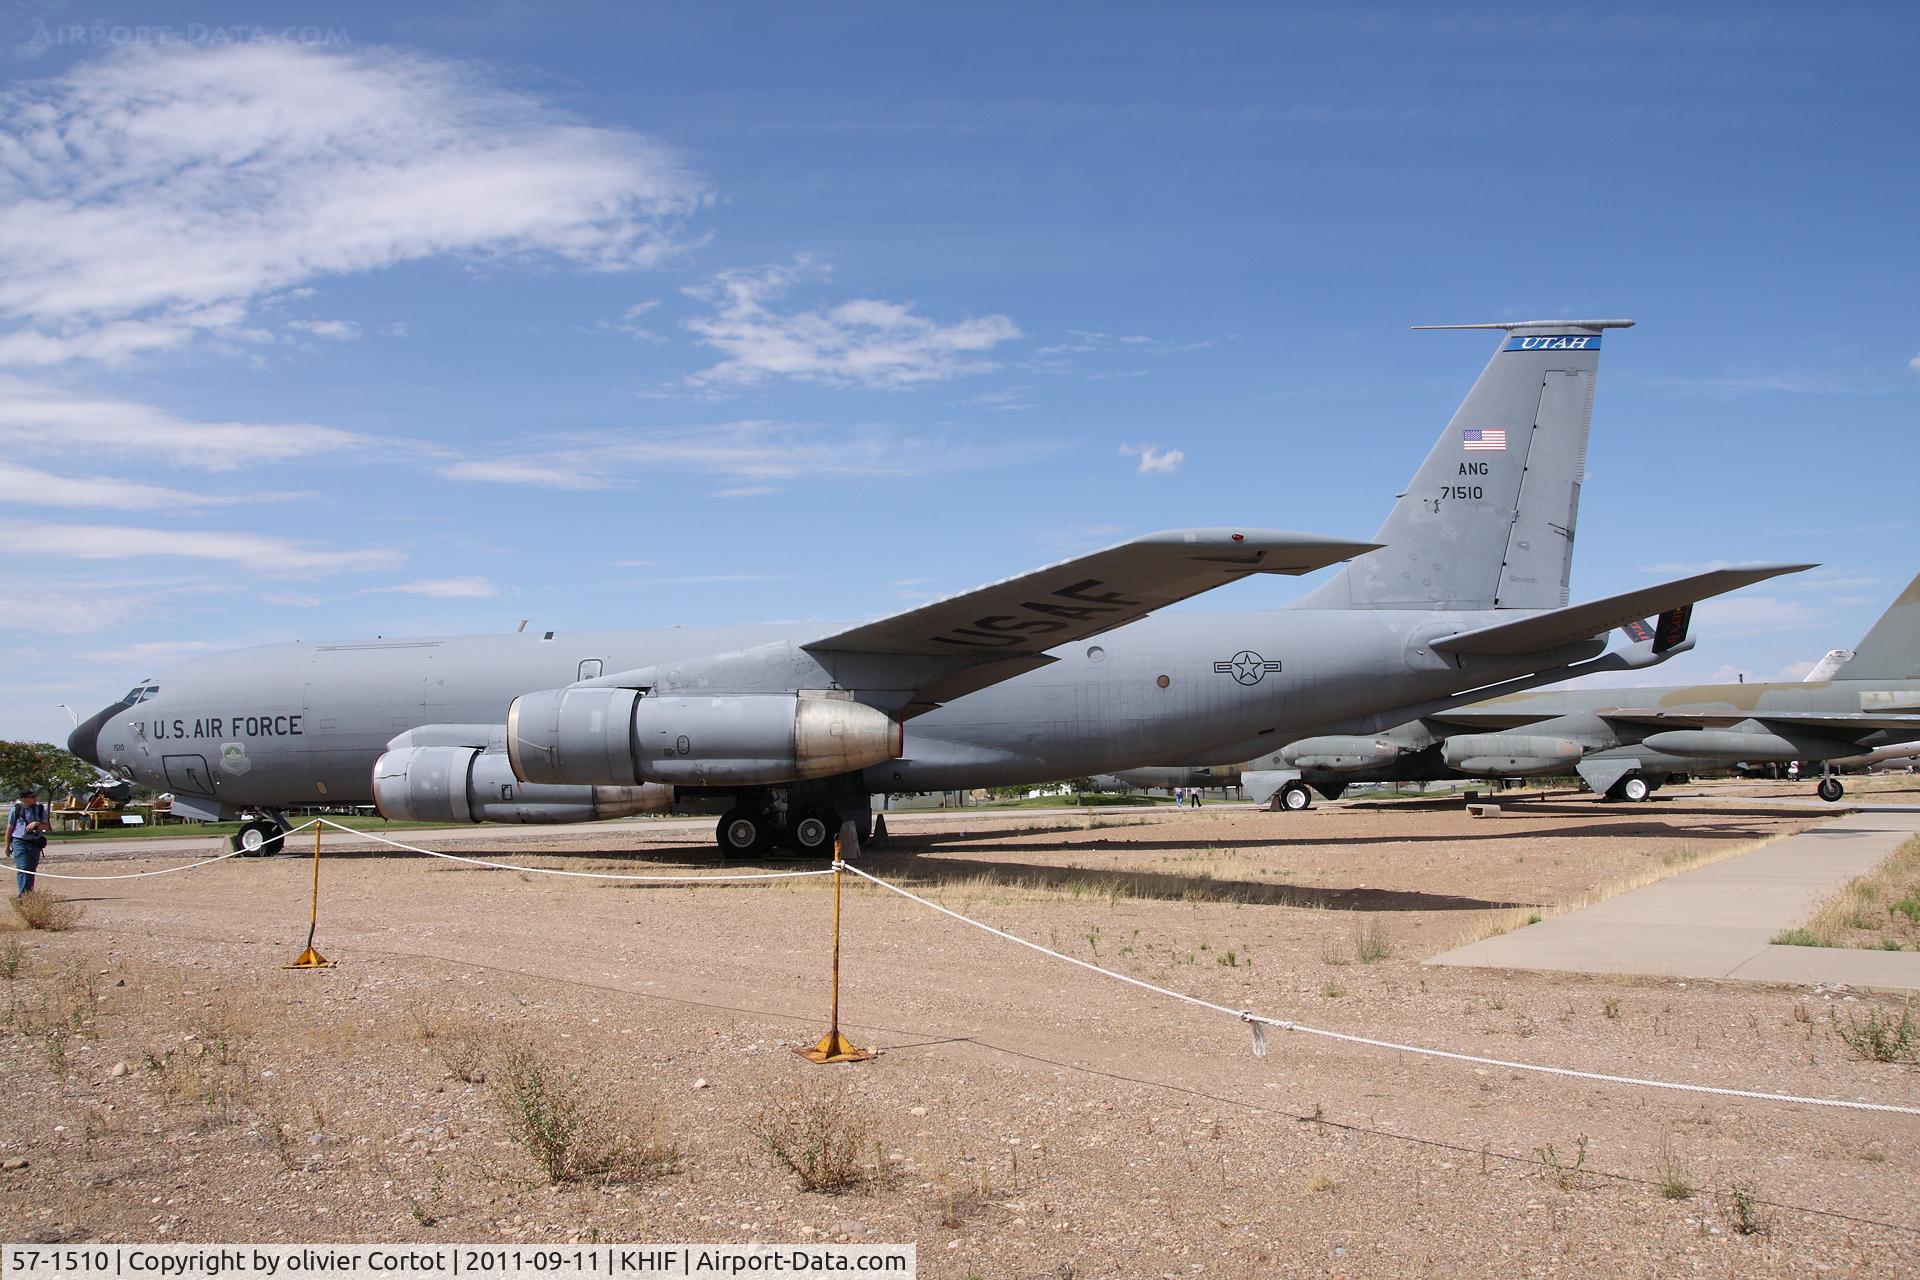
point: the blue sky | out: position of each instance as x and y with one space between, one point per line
318 321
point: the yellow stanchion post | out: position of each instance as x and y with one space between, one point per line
834 1047
311 959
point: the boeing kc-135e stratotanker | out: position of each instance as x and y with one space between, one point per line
1056 673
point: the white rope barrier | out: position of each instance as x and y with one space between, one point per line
162 871
1256 1021
585 875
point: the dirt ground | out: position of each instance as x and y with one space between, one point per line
169 1080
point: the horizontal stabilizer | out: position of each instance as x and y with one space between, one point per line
1540 632
1085 596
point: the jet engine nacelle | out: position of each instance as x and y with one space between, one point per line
1342 753
467 784
1509 755
621 736
1733 744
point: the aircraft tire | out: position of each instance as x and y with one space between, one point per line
812 832
1296 796
261 838
743 833
1633 788
1831 789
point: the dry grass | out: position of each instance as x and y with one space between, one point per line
1213 885
42 911
572 1136
821 1138
1879 911
53 1015
1880 1037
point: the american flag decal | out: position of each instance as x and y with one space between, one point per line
1475 438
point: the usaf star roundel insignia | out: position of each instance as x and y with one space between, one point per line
1246 666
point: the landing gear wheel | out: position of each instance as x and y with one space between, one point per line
742 833
260 838
1295 796
1831 790
812 833
1634 788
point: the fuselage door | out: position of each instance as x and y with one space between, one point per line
590 668
188 774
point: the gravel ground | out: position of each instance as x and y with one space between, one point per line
170 1081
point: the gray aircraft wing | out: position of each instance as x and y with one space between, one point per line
1540 632
1082 597
1843 722
936 652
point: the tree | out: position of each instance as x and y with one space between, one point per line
44 767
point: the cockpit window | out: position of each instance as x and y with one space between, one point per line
141 692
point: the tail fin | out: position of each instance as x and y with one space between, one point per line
1488 521
1891 650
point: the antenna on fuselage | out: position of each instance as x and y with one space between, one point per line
523 625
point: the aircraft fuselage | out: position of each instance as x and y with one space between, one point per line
303 723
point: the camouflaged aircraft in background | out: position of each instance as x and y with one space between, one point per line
1625 743
789 730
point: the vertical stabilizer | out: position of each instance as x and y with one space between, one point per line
1891 650
1488 521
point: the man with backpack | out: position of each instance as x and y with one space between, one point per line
26 838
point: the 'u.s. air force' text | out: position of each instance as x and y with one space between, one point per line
262 726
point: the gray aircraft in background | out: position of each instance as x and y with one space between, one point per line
1625 743
1057 673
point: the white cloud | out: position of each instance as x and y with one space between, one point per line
149 654
1005 400
256 552
1745 614
1153 460
154 194
629 324
35 416
1083 341
1914 363
527 472
337 330
746 491
468 588
1733 386
862 343
27 486
752 453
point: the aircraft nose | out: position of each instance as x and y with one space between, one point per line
84 741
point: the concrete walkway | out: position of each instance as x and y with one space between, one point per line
1719 921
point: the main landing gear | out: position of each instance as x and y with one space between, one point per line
1632 788
1293 797
260 837
1830 789
752 830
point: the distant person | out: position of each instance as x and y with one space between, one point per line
1179 797
1193 798
27 837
